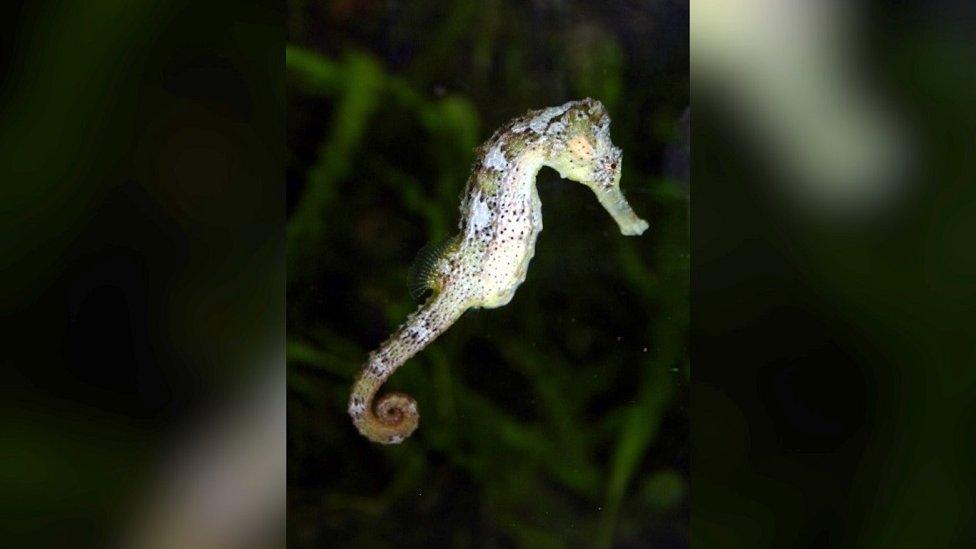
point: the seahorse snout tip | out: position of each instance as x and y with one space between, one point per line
636 228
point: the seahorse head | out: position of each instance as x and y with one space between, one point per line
581 146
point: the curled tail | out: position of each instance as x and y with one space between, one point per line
393 417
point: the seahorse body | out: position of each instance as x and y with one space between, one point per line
483 265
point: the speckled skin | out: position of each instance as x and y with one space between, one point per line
483 265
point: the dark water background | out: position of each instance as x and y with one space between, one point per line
558 420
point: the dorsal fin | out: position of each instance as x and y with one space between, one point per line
420 275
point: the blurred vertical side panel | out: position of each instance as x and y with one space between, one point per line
834 274
142 265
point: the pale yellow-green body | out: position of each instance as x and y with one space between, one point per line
501 217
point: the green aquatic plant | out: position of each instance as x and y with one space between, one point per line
545 421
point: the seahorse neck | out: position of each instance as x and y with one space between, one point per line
524 168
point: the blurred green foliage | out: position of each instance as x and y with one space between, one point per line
558 420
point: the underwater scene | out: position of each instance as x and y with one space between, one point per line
554 415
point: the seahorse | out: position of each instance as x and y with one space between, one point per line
483 265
